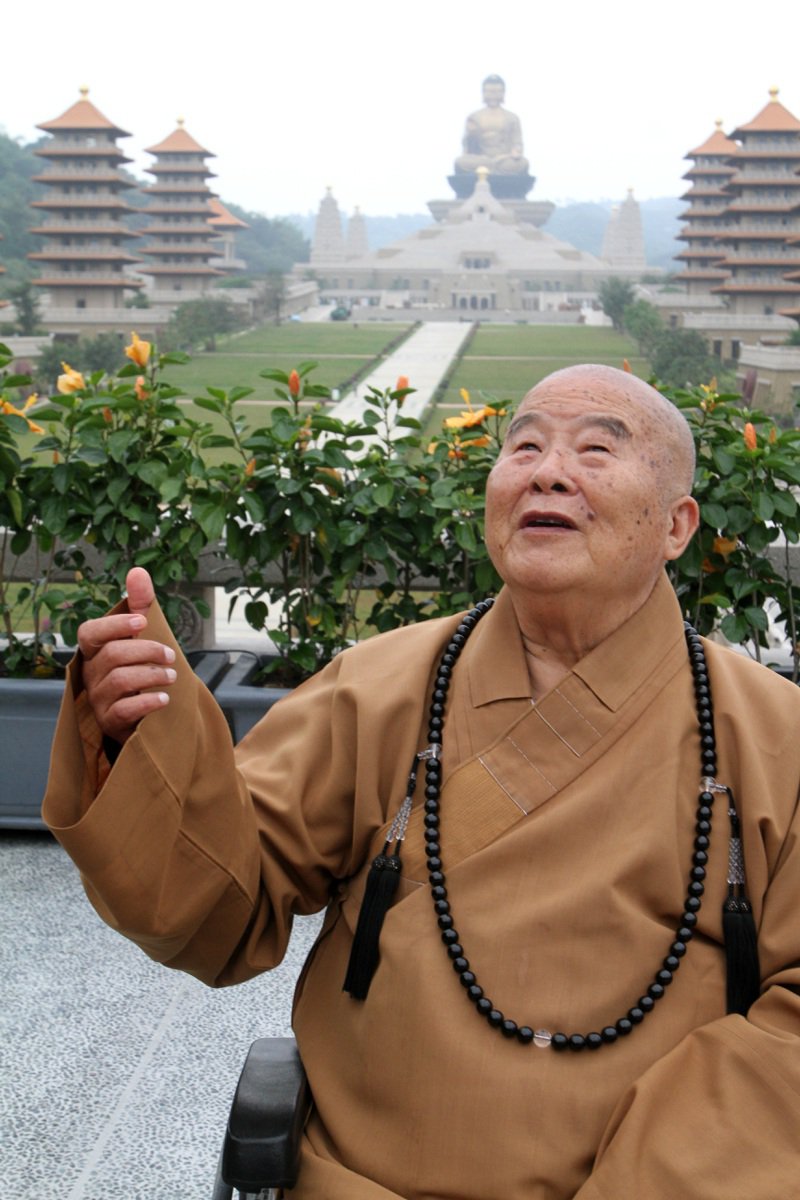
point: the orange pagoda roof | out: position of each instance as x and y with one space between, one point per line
179 142
773 118
717 144
223 218
82 115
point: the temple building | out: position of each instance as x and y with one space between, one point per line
712 168
180 236
225 226
623 243
762 214
84 256
478 256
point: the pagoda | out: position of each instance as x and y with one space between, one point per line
357 243
762 215
84 256
328 247
712 168
225 226
179 230
623 243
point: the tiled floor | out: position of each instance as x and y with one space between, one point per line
115 1073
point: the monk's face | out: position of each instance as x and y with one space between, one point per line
581 497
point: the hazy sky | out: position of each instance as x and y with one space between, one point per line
370 96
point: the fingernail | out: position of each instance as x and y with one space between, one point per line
171 675
169 654
163 698
137 622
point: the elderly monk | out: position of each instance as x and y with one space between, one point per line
554 1024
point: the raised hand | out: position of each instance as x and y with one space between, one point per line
124 675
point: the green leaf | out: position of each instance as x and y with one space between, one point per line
304 521
735 627
723 461
209 403
383 494
715 515
756 618
763 506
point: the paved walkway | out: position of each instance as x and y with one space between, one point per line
423 358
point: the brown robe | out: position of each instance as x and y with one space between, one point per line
567 831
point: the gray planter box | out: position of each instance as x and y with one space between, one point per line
28 714
243 702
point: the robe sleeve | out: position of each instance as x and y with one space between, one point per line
198 865
719 1116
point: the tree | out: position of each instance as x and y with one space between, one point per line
272 295
681 357
615 295
25 299
269 245
643 322
198 322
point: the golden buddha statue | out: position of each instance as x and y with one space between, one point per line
493 136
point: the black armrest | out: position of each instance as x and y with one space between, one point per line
268 1113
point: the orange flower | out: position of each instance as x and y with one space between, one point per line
139 390
402 383
138 351
725 546
626 366
475 416
294 384
107 415
70 381
56 457
251 466
464 394
749 435
7 407
709 568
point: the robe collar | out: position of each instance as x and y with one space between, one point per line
613 670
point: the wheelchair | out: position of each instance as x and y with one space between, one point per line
261 1151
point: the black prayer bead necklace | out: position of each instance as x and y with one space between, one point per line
684 933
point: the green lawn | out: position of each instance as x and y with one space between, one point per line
225 370
309 340
578 343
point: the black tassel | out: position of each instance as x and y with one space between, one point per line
382 881
739 926
741 953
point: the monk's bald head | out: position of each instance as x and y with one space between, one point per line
663 427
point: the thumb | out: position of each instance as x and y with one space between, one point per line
140 590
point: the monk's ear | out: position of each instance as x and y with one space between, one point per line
685 517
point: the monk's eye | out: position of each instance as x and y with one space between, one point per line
597 448
527 446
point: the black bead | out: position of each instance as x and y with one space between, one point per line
707 797
683 935
703 827
646 1004
593 1041
678 949
698 872
474 993
508 1028
467 979
432 849
439 697
448 661
442 907
609 1034
701 842
436 875
525 1035
431 821
656 990
559 1041
460 964
435 723
700 858
434 738
696 888
465 626
577 1041
432 798
664 977
443 678
439 892
455 949
689 918
437 709
449 937
636 1015
445 921
495 1018
458 639
692 905
624 1026
484 1006
672 962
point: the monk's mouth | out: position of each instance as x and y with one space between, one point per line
547 523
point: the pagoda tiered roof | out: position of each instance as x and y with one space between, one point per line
83 116
773 118
180 142
223 218
106 150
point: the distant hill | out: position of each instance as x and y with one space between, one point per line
580 224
